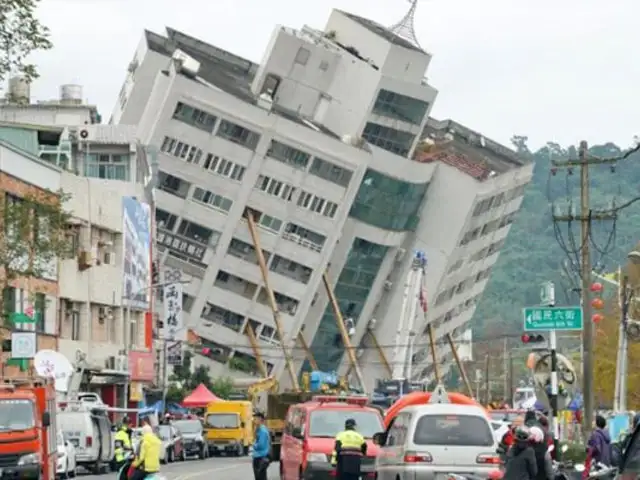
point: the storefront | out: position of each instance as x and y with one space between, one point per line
141 372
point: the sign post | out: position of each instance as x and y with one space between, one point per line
552 318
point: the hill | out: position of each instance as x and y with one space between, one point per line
532 253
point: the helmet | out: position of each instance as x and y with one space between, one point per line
536 434
125 421
521 434
350 423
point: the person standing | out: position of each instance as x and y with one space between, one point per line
600 442
348 451
261 448
541 451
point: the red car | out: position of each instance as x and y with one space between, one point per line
310 430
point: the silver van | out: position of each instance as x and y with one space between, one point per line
428 442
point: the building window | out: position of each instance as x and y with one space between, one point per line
210 199
270 223
107 166
388 203
181 150
289 155
194 117
198 233
165 219
400 107
222 316
223 167
302 57
275 187
237 134
332 173
317 204
173 185
304 237
395 141
351 291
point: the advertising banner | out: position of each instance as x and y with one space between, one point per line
136 238
174 353
142 366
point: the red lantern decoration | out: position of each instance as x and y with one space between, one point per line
596 287
597 317
597 303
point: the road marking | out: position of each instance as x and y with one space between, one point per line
191 475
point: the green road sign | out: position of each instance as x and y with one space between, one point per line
552 318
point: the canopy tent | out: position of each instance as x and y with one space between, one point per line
200 397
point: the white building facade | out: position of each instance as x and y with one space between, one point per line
317 141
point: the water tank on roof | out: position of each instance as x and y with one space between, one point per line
19 90
71 93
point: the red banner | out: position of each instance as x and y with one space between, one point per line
148 330
142 366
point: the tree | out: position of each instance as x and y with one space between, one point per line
34 235
21 33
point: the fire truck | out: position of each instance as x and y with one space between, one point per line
28 447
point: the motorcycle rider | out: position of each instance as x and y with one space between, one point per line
541 451
521 460
349 449
147 461
122 443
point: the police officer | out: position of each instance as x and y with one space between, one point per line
349 449
122 443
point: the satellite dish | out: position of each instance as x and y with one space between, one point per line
51 364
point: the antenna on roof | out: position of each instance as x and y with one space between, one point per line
405 27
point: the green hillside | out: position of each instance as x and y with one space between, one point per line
532 254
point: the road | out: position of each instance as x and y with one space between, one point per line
218 467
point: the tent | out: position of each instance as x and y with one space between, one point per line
200 397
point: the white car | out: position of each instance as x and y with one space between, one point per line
66 462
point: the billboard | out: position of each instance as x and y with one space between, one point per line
136 239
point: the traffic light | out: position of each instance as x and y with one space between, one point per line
529 339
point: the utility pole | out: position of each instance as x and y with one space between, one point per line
505 368
487 382
585 217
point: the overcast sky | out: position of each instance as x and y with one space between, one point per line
558 70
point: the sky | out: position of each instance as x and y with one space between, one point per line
554 70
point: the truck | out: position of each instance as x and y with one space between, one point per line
28 435
229 427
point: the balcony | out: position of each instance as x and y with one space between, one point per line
237 285
243 362
290 269
285 304
214 314
245 251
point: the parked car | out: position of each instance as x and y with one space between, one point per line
193 440
66 464
172 443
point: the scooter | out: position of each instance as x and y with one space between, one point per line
123 473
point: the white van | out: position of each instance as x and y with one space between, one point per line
89 431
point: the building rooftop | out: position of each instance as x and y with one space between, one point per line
228 72
469 151
382 31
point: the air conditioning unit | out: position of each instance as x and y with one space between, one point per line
388 285
104 313
400 254
359 352
372 324
73 134
84 134
84 260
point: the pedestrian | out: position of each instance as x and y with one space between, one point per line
541 451
348 451
147 461
543 420
521 460
600 442
261 448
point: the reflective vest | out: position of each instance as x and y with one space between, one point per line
123 443
149 456
348 458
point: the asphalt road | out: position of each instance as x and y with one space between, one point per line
218 467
